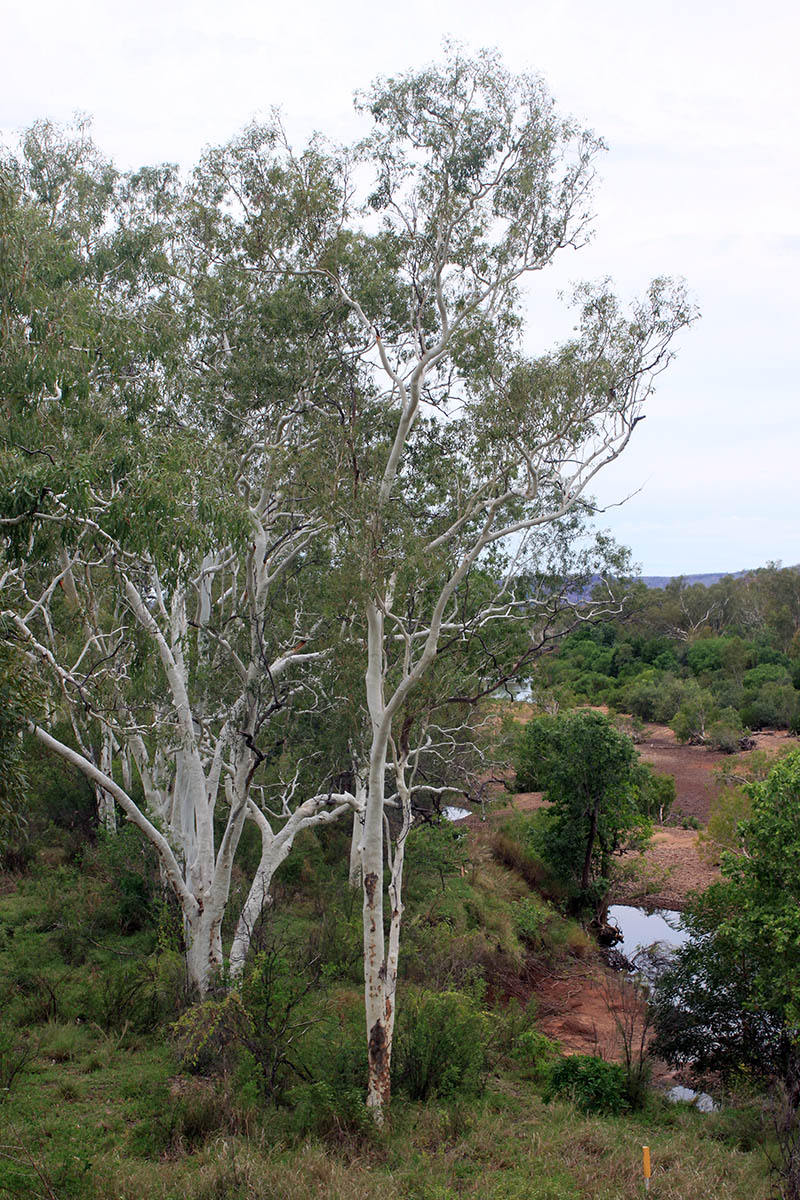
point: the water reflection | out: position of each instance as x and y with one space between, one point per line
456 814
701 1100
641 929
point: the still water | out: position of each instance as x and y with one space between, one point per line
456 814
641 928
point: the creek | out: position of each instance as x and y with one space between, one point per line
456 814
641 928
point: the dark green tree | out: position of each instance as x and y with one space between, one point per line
590 774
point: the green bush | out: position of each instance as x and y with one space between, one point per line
16 1051
179 1119
696 713
656 793
531 918
653 696
141 996
210 1036
332 1113
592 1084
440 1045
774 706
726 732
535 1052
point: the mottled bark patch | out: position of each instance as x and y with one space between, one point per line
377 1048
370 884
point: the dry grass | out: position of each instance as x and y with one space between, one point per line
512 1149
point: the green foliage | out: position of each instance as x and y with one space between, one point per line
434 850
142 996
728 640
653 695
209 1036
738 973
592 1084
16 1051
726 732
440 1045
531 918
656 793
335 1114
729 807
590 774
535 1053
774 705
18 703
697 712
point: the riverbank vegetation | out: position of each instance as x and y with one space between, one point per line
713 662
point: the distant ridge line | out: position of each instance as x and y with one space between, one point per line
660 581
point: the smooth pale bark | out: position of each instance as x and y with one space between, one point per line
275 847
106 812
200 880
377 1002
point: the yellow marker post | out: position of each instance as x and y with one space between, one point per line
646 1167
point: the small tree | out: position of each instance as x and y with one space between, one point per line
730 1003
589 772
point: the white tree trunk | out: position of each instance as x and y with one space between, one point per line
258 898
356 874
106 810
377 1003
203 948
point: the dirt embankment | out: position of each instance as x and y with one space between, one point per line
674 865
583 1004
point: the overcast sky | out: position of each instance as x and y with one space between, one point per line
697 101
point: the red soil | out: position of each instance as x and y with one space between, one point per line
583 1003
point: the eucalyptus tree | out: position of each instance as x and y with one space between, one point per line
313 452
486 457
165 511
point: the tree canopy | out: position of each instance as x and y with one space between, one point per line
281 495
590 773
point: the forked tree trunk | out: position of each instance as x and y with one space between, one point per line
258 898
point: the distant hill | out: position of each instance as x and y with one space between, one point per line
660 581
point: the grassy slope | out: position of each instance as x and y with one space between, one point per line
101 1111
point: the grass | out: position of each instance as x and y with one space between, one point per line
99 1109
124 1129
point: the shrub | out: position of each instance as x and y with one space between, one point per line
656 793
593 1085
209 1037
440 1045
531 918
16 1051
142 996
653 696
697 712
774 706
509 1023
726 732
535 1052
332 1113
